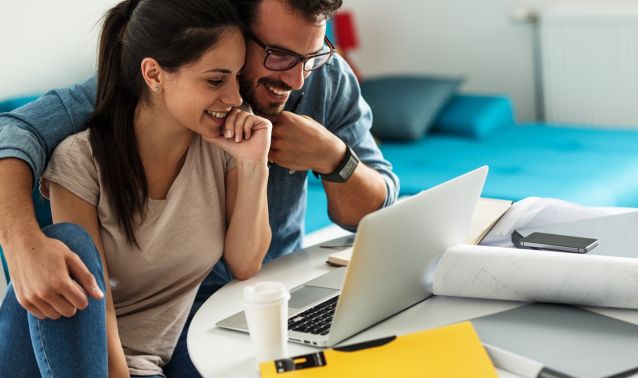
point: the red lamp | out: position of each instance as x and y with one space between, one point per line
346 37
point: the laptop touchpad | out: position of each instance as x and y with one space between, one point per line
306 295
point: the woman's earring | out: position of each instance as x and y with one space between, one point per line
157 89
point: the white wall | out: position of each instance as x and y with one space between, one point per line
478 39
470 38
46 44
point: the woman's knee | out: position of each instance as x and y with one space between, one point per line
79 241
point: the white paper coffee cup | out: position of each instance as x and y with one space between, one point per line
266 309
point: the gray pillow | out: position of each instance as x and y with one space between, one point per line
404 107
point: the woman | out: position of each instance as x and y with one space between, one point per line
169 177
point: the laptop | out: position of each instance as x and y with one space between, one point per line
393 249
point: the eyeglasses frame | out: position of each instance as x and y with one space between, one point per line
298 58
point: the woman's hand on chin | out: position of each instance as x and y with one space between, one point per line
245 136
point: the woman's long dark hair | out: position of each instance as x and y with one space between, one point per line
173 32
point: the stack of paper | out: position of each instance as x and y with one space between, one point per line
488 211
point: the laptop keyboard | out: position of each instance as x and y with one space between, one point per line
316 319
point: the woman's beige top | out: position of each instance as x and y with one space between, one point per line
180 239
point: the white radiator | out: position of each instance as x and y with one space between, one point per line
589 64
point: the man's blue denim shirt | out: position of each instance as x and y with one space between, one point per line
331 97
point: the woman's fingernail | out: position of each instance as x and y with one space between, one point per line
98 292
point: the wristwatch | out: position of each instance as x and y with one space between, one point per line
345 168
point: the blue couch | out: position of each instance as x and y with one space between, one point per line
584 165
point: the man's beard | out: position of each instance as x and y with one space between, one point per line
249 93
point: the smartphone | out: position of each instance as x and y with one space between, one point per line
555 242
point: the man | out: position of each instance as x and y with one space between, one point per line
288 66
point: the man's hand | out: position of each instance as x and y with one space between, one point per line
48 278
301 143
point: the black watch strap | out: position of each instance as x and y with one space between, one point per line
345 169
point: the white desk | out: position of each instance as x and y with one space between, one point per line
222 353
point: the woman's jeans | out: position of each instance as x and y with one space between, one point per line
66 347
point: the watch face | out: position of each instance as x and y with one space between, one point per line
351 165
347 168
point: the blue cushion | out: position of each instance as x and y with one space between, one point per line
474 116
405 106
14 103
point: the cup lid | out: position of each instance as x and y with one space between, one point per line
266 292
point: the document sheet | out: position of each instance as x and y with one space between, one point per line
536 275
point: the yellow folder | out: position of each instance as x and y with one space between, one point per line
451 351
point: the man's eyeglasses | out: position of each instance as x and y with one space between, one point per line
281 60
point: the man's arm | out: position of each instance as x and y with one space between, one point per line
341 116
364 192
32 132
39 266
27 137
